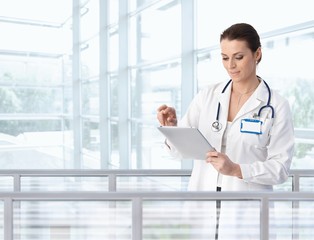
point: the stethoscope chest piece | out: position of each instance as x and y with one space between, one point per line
216 126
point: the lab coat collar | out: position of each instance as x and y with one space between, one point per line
258 98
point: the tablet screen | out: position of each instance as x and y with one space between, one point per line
189 141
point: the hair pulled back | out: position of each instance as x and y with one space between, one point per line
243 32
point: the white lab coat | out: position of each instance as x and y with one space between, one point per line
264 159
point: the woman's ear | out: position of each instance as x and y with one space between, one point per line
258 55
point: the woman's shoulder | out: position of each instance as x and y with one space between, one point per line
212 88
277 97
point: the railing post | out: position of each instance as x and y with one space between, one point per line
137 218
296 182
264 224
295 205
112 182
16 182
8 219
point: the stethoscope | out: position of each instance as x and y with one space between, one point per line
217 126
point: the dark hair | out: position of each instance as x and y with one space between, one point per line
243 32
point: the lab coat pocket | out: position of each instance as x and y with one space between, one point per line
260 140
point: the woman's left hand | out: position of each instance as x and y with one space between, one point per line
223 164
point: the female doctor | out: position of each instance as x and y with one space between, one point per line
248 124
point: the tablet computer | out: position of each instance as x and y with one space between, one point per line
189 141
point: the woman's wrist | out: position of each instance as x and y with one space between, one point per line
237 171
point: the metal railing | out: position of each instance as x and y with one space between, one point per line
138 198
111 176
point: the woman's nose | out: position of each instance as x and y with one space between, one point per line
231 64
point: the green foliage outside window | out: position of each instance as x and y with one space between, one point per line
302 106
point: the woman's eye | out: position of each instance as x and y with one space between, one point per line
239 57
224 59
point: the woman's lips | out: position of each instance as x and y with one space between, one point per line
234 73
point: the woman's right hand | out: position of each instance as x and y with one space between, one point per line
167 116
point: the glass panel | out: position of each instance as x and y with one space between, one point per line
152 183
91 144
32 73
16 127
68 157
72 220
303 153
295 81
286 186
115 158
138 3
211 22
67 101
155 86
90 58
90 98
114 95
28 157
51 40
113 11
158 33
151 88
149 151
68 133
27 70
113 49
31 144
68 183
1 220
197 220
291 220
210 69
45 10
134 41
31 100
6 184
307 184
89 19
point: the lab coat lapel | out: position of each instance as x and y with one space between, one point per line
258 99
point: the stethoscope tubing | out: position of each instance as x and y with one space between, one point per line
216 125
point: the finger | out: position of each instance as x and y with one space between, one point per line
213 154
161 118
212 161
170 111
162 107
171 119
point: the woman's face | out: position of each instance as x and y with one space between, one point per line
239 60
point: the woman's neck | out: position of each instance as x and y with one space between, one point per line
247 87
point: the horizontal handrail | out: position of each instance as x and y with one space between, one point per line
88 172
160 195
137 199
113 174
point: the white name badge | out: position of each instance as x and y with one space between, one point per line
253 126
